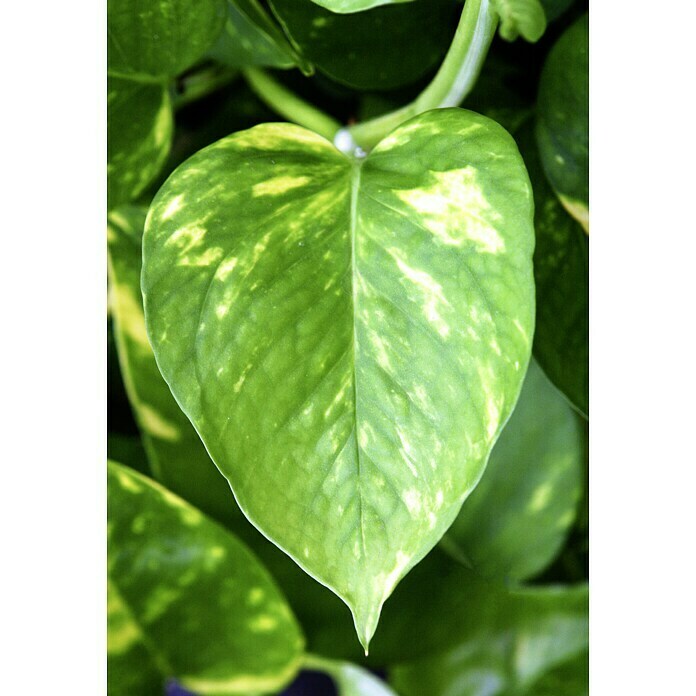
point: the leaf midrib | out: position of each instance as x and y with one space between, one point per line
355 185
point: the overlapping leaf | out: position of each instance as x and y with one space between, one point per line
250 37
349 679
139 129
367 49
347 6
156 39
348 338
187 600
563 119
561 339
177 455
516 519
516 644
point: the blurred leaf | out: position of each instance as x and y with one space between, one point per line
150 39
251 38
512 643
563 119
524 18
187 600
128 449
365 50
349 679
553 9
269 357
440 605
139 133
568 679
561 338
177 455
516 519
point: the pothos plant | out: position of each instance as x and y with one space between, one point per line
348 299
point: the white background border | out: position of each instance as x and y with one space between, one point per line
53 342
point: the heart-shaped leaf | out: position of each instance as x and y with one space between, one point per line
563 119
366 49
150 39
140 128
347 337
187 600
517 518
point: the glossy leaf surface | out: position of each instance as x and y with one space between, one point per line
177 455
366 49
187 600
160 38
348 338
561 272
513 643
516 519
563 119
139 134
250 37
523 18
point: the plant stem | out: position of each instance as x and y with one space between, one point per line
289 105
319 664
453 81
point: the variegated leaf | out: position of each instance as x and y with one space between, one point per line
517 518
348 337
140 128
187 600
177 455
154 39
563 120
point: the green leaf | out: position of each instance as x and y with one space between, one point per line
365 50
563 119
160 38
513 641
348 338
524 18
516 520
348 6
187 600
455 606
251 38
561 339
140 125
553 9
177 455
349 679
568 679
